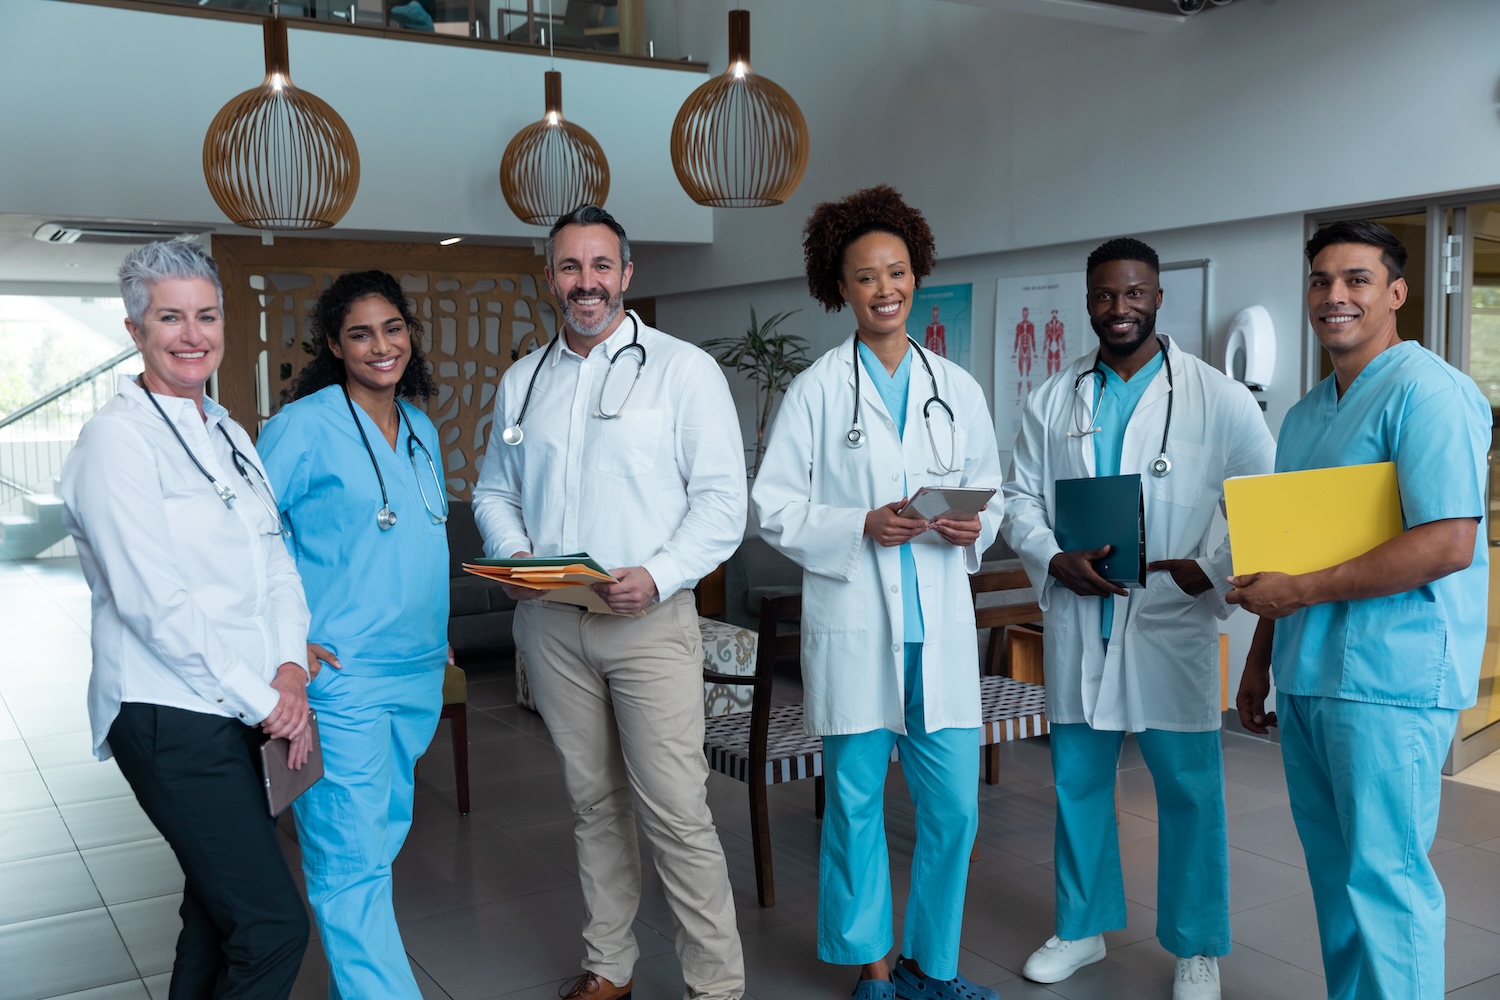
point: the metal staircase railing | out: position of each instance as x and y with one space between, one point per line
34 441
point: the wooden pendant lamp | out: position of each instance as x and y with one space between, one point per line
552 166
739 141
277 157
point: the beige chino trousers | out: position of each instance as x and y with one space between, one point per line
623 700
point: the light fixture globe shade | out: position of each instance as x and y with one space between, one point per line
552 166
739 141
280 158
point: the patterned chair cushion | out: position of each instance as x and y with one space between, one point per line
727 649
791 754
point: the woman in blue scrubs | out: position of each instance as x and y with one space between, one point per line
350 460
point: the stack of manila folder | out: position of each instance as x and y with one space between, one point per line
566 579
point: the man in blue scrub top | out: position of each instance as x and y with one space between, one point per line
1375 657
1143 660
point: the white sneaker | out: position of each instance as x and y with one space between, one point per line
1197 978
1058 959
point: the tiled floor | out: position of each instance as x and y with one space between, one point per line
489 903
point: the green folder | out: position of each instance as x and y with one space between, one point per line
1105 510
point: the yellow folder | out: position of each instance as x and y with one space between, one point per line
1299 522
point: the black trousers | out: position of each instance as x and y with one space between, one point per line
197 777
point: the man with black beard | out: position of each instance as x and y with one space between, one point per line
1137 660
623 442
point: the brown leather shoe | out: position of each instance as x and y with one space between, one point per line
592 986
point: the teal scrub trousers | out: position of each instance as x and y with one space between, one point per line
1365 782
352 823
854 873
1192 878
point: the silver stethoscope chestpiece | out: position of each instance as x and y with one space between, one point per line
386 518
855 438
1160 466
512 435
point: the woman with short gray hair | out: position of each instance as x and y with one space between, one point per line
199 628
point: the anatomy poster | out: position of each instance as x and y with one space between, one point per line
1040 326
944 314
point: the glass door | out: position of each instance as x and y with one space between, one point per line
1471 279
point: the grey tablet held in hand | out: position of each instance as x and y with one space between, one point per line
933 502
283 784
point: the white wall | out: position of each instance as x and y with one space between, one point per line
1014 131
106 110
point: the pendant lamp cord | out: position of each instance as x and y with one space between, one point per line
551 31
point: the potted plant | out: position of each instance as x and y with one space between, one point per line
770 361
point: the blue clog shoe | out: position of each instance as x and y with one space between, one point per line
910 986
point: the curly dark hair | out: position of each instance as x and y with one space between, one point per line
1123 248
328 318
834 225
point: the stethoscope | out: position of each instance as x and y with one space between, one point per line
856 437
513 435
242 465
385 517
1161 464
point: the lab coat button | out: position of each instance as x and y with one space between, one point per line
895 647
889 422
895 477
895 589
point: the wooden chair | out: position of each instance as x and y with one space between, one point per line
1015 605
456 711
768 744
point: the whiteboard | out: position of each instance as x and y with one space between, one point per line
1183 315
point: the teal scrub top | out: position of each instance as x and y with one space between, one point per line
1117 402
894 390
379 598
1421 648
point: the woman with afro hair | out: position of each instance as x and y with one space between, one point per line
888 653
354 466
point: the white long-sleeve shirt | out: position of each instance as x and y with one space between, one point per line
660 486
194 605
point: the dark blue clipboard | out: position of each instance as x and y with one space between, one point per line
1104 510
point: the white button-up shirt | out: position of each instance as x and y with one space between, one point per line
195 606
660 486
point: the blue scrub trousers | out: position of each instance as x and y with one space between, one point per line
1192 879
351 824
1365 782
854 873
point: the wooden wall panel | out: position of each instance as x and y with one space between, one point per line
480 307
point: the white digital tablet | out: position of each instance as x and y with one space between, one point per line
933 502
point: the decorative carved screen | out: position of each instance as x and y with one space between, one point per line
480 307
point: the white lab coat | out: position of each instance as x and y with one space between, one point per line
1160 670
810 499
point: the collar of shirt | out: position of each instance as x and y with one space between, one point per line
177 408
606 348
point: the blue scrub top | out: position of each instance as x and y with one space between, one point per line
1117 402
894 390
1421 648
379 599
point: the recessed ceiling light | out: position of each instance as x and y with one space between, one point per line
450 241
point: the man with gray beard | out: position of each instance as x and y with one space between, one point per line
623 442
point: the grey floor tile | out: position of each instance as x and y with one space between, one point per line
63 749
1270 833
149 928
1144 971
15 758
1471 881
1485 989
132 989
515 803
71 669
138 870
498 692
523 719
33 834
45 887
1472 955
470 871
427 985
8 729
62 954
107 821
1287 929
527 941
24 791
157 985
1469 814
76 783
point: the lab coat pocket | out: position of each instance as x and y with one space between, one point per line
629 443
1406 665
1191 468
830 606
